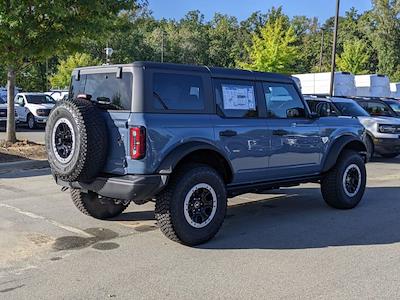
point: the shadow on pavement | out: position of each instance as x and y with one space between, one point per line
40 170
299 219
305 221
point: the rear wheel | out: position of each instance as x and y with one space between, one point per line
98 207
191 209
343 187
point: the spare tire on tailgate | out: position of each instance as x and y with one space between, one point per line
76 140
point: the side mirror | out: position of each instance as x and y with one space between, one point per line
313 116
295 112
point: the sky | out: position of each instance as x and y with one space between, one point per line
323 9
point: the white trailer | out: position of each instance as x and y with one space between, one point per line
319 84
395 90
374 85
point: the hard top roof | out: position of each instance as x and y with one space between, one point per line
213 71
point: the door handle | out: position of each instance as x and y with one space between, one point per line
280 132
228 133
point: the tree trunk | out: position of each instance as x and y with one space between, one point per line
11 137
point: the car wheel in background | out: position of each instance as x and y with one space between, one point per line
369 144
31 122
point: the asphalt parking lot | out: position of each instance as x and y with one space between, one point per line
23 133
287 244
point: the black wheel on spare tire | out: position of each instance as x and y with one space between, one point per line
76 140
91 204
344 186
192 208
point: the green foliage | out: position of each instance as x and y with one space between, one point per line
273 50
354 58
62 77
34 30
386 35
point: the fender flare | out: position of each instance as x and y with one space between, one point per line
337 147
170 161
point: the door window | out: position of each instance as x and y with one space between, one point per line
236 99
283 101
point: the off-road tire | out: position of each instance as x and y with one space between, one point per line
97 207
169 210
90 133
390 155
332 184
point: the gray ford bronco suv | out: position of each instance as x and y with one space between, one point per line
188 137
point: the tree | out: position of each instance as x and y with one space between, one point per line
273 49
62 78
34 30
354 58
386 35
224 37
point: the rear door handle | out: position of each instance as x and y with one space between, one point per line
228 133
280 132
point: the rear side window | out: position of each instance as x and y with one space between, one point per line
177 92
106 89
236 99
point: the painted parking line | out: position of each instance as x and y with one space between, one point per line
50 221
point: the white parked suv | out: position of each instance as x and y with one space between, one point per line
33 108
381 123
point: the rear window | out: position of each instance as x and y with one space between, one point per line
177 92
106 89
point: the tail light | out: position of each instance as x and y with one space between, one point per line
137 142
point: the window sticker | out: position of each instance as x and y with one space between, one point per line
238 97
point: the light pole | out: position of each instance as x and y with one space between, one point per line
321 54
333 65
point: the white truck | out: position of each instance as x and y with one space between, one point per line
33 108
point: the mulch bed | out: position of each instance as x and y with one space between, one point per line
21 150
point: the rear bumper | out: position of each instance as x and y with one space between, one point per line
127 187
387 146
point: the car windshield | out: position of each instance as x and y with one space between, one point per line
40 99
351 109
395 105
2 101
378 109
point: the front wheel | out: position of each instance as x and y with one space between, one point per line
344 186
191 209
31 122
